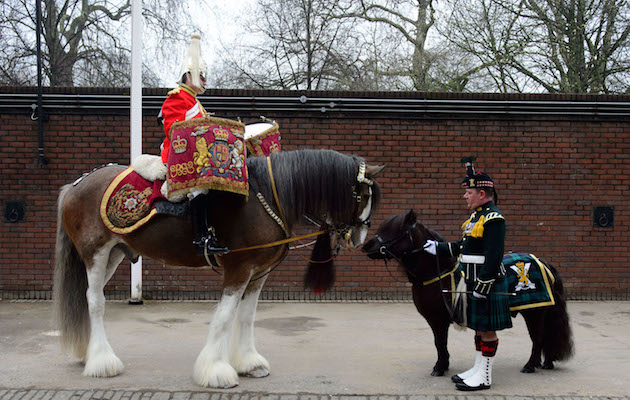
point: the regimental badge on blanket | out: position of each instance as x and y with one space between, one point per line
530 279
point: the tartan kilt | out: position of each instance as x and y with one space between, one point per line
493 313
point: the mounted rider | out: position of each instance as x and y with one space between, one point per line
480 254
181 105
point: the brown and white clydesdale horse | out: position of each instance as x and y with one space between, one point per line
335 189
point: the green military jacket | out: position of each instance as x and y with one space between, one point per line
482 243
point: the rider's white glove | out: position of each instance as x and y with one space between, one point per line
431 247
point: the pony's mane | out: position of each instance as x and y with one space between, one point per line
399 222
310 182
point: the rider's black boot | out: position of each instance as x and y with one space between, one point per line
204 238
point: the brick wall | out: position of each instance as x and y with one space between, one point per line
551 171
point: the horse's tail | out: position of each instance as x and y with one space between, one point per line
70 306
320 274
558 337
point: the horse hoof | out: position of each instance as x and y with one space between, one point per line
103 366
528 369
547 365
257 373
438 372
253 365
218 375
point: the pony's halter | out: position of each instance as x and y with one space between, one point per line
384 249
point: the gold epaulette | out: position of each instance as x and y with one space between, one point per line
174 91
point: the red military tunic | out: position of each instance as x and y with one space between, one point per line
180 105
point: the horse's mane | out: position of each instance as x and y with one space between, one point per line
310 182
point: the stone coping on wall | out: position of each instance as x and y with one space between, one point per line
240 103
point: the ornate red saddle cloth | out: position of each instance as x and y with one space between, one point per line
207 153
128 202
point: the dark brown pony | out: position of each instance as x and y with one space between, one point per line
333 188
402 238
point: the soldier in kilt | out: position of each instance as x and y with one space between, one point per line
480 255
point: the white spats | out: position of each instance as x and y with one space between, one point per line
481 379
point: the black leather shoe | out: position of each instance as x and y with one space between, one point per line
464 387
456 379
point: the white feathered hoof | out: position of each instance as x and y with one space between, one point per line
214 374
253 365
103 365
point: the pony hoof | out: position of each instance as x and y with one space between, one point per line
547 365
438 372
528 369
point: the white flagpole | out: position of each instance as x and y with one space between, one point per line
136 123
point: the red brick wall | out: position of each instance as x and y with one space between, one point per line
550 172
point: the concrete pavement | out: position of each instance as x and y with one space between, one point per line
317 351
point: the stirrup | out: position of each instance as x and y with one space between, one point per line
207 245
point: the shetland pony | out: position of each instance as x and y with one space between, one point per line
402 238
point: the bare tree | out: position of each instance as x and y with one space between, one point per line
83 42
300 46
411 20
568 46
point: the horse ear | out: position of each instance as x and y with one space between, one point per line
410 218
373 170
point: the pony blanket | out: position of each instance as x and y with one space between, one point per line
128 202
530 279
207 153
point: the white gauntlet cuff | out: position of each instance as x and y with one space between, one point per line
483 287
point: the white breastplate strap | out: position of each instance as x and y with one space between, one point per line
472 259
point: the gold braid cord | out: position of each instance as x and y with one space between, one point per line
272 214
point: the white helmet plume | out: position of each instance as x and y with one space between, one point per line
192 61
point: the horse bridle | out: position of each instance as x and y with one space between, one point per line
384 249
345 230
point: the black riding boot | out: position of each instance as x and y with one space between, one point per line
203 237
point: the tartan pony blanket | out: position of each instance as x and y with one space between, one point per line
530 279
527 276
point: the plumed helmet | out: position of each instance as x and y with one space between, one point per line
192 61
